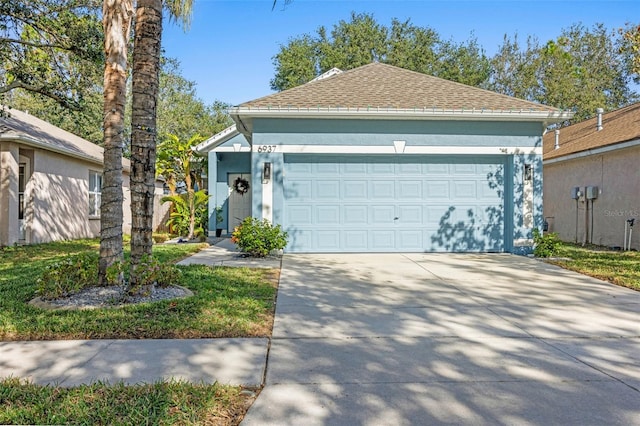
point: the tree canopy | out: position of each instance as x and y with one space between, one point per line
51 47
581 70
363 40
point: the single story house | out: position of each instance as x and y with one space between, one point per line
50 183
382 159
592 179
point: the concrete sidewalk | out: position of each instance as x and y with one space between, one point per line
225 253
75 362
238 361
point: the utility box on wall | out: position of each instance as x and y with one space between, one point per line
576 193
592 192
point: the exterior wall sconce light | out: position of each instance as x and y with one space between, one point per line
528 172
266 172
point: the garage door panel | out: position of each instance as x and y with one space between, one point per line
354 168
299 190
355 240
438 189
327 214
327 190
355 215
300 214
464 189
382 240
435 169
410 239
383 190
328 240
393 203
381 215
409 215
409 189
355 189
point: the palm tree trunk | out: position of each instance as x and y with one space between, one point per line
116 22
146 74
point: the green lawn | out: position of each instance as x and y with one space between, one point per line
163 403
618 267
228 302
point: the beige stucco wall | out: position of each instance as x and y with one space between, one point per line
617 175
9 228
57 197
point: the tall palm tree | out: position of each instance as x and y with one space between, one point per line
116 21
145 82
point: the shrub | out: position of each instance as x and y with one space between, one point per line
546 245
151 271
259 237
68 276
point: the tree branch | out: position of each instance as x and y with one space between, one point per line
62 100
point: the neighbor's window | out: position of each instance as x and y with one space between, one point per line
95 193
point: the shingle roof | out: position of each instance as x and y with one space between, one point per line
379 85
621 125
26 128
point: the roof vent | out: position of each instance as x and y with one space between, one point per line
557 145
599 112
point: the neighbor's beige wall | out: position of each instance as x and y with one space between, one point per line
59 199
617 175
9 223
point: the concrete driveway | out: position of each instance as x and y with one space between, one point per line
393 339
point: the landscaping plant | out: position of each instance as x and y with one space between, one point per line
259 237
546 245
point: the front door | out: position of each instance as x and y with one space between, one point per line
239 203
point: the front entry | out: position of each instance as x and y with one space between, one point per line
239 204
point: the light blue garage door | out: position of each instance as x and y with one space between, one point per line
399 203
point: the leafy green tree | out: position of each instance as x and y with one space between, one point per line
465 63
177 162
180 111
50 47
412 47
514 68
363 40
189 215
581 70
630 48
296 63
352 44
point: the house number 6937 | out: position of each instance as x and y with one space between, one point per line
266 148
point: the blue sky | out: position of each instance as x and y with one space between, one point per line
229 48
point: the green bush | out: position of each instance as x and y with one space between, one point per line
68 276
150 272
180 217
259 237
546 245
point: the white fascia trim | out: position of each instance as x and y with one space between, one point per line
231 149
391 149
395 114
53 148
216 140
594 151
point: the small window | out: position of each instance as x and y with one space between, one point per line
95 193
528 172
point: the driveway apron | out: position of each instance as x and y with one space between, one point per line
393 339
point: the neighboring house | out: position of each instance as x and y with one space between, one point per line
381 159
50 183
602 153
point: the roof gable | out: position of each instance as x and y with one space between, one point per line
619 126
23 127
